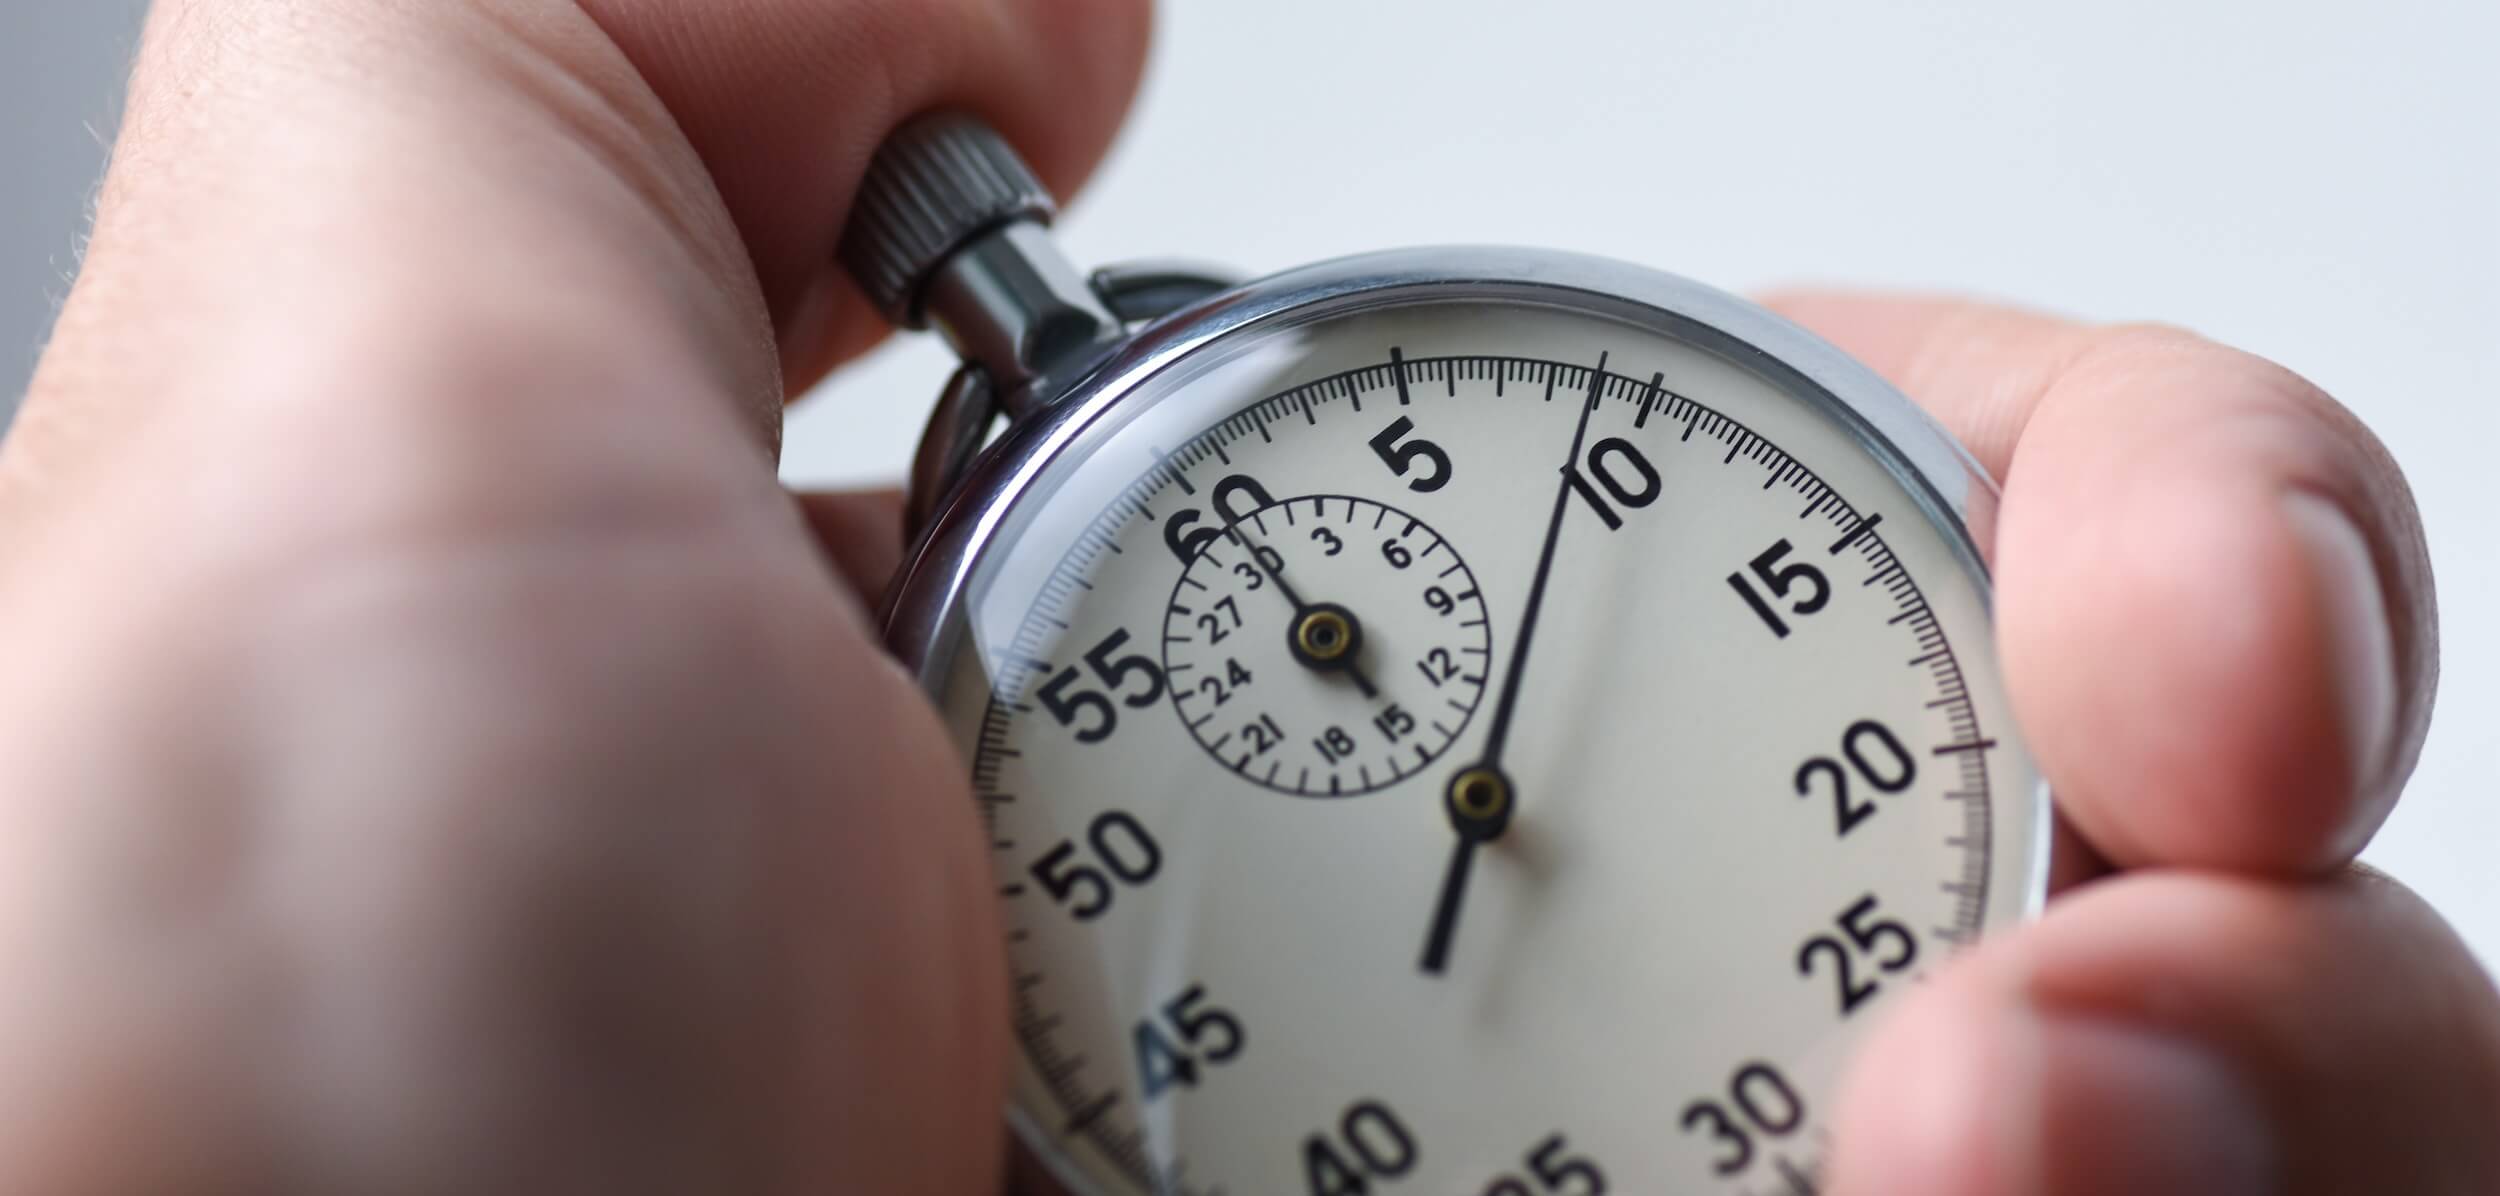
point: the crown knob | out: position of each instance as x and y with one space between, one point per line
936 185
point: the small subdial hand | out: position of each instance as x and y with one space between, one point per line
1324 636
1480 797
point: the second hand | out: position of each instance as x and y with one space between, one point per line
1481 796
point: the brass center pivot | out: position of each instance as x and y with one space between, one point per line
1323 635
1480 795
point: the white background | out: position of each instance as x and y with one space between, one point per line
2317 182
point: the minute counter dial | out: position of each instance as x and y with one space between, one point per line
1326 646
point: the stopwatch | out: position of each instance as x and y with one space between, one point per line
1456 720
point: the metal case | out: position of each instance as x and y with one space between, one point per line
924 618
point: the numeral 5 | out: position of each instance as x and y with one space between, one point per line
1400 458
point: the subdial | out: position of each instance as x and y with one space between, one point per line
1326 646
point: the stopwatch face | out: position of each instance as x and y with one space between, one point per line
1471 734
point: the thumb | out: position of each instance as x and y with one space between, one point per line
2172 1034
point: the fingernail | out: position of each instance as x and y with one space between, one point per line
2121 1108
2361 646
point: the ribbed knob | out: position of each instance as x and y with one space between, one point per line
938 182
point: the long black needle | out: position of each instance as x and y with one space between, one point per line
1445 910
1481 796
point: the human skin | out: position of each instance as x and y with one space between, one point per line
438 756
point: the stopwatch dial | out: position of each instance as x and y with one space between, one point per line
1717 658
1325 646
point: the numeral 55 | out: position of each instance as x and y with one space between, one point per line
1065 702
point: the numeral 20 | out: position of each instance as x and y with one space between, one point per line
1892 771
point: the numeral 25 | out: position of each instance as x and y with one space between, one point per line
1867 934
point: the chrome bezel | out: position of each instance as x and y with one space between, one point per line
922 617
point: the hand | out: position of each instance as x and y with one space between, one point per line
437 755
2216 621
1323 637
1480 797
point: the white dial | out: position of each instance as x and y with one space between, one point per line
1653 724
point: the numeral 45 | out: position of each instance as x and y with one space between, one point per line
1171 1048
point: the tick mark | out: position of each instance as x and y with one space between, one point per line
1649 399
1864 526
1091 1113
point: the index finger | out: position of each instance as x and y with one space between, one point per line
2214 598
